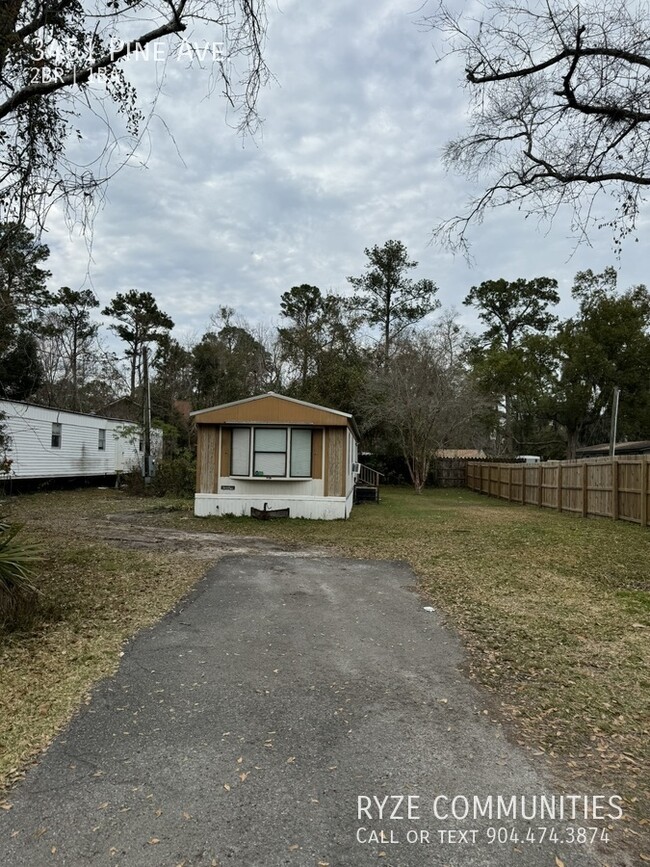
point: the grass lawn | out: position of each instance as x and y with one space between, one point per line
554 611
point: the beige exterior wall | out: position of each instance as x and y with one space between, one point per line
207 457
271 409
220 493
335 462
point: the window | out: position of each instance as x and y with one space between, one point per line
270 452
300 452
56 435
278 452
101 440
241 448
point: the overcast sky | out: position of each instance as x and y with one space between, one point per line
349 156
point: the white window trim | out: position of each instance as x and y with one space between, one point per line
287 453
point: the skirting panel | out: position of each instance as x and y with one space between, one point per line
323 508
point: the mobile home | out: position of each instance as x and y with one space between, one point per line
47 443
272 452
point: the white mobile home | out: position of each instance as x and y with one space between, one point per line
274 453
47 443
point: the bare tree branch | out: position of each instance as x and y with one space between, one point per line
559 110
61 59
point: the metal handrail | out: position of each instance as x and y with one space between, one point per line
368 476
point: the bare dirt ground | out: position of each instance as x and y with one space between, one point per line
139 531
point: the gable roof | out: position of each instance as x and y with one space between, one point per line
637 447
272 408
467 454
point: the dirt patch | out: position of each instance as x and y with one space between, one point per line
138 531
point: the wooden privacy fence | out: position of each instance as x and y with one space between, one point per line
615 488
449 472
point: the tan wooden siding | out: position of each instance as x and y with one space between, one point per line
207 450
226 446
317 454
335 462
271 410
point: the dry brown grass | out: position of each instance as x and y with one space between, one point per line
554 611
93 598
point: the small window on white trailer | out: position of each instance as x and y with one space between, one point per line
56 435
101 440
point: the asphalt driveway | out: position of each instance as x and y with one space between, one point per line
244 728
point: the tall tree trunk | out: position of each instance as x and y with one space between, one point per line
509 439
75 389
571 444
387 326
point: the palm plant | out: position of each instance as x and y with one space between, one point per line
17 562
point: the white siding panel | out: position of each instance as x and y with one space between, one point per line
29 428
324 508
266 488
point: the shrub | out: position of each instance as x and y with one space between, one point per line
175 477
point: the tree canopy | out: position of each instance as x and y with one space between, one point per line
559 94
424 399
605 345
529 382
139 321
61 59
24 296
387 297
512 311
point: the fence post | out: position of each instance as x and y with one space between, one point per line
614 489
585 490
540 480
644 492
559 487
524 471
509 484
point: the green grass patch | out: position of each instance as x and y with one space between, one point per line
554 611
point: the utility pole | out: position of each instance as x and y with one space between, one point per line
612 434
146 421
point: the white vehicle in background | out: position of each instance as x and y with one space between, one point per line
528 459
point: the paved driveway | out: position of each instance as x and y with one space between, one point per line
244 727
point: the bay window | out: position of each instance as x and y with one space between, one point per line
271 452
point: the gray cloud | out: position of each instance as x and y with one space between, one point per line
349 156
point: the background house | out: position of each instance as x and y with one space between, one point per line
47 443
277 451
639 447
